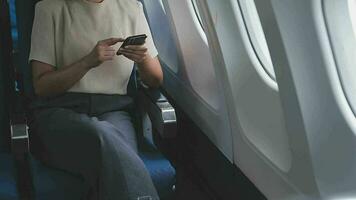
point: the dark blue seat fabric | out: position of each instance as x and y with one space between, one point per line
55 184
162 173
8 190
160 169
49 183
14 32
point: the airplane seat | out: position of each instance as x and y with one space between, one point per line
8 189
55 184
49 183
162 173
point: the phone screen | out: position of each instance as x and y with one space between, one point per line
135 40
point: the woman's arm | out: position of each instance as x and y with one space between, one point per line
151 72
149 68
50 82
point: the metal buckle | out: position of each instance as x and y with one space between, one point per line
168 112
168 126
19 131
19 128
19 134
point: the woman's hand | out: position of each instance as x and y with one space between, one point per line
149 68
102 52
137 53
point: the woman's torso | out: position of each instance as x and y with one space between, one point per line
79 25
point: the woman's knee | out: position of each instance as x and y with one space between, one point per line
104 140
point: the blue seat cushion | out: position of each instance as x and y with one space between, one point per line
8 190
58 185
49 183
55 184
160 169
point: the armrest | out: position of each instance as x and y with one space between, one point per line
160 112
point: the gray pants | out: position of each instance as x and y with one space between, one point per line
92 136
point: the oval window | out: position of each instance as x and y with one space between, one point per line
257 36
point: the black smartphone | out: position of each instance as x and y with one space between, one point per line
134 40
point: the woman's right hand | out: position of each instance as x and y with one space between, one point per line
102 52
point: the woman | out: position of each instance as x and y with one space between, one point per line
81 115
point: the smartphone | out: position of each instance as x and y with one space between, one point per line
134 40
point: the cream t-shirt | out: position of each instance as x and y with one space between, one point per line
65 31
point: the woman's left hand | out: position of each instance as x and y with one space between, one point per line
136 53
149 68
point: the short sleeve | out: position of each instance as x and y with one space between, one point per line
42 38
143 28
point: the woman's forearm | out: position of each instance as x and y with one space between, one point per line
49 82
56 82
149 68
151 72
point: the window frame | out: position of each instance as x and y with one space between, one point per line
198 20
264 60
162 5
197 13
341 31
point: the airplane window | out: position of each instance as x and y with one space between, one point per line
352 7
161 2
341 24
350 69
196 10
257 37
198 20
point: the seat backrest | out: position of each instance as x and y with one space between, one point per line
24 19
3 117
25 14
5 79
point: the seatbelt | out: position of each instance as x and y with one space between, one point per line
13 80
17 135
6 58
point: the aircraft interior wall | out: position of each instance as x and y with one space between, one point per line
260 96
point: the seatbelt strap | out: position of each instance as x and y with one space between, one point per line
17 134
4 43
13 84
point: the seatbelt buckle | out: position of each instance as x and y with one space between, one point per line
19 134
